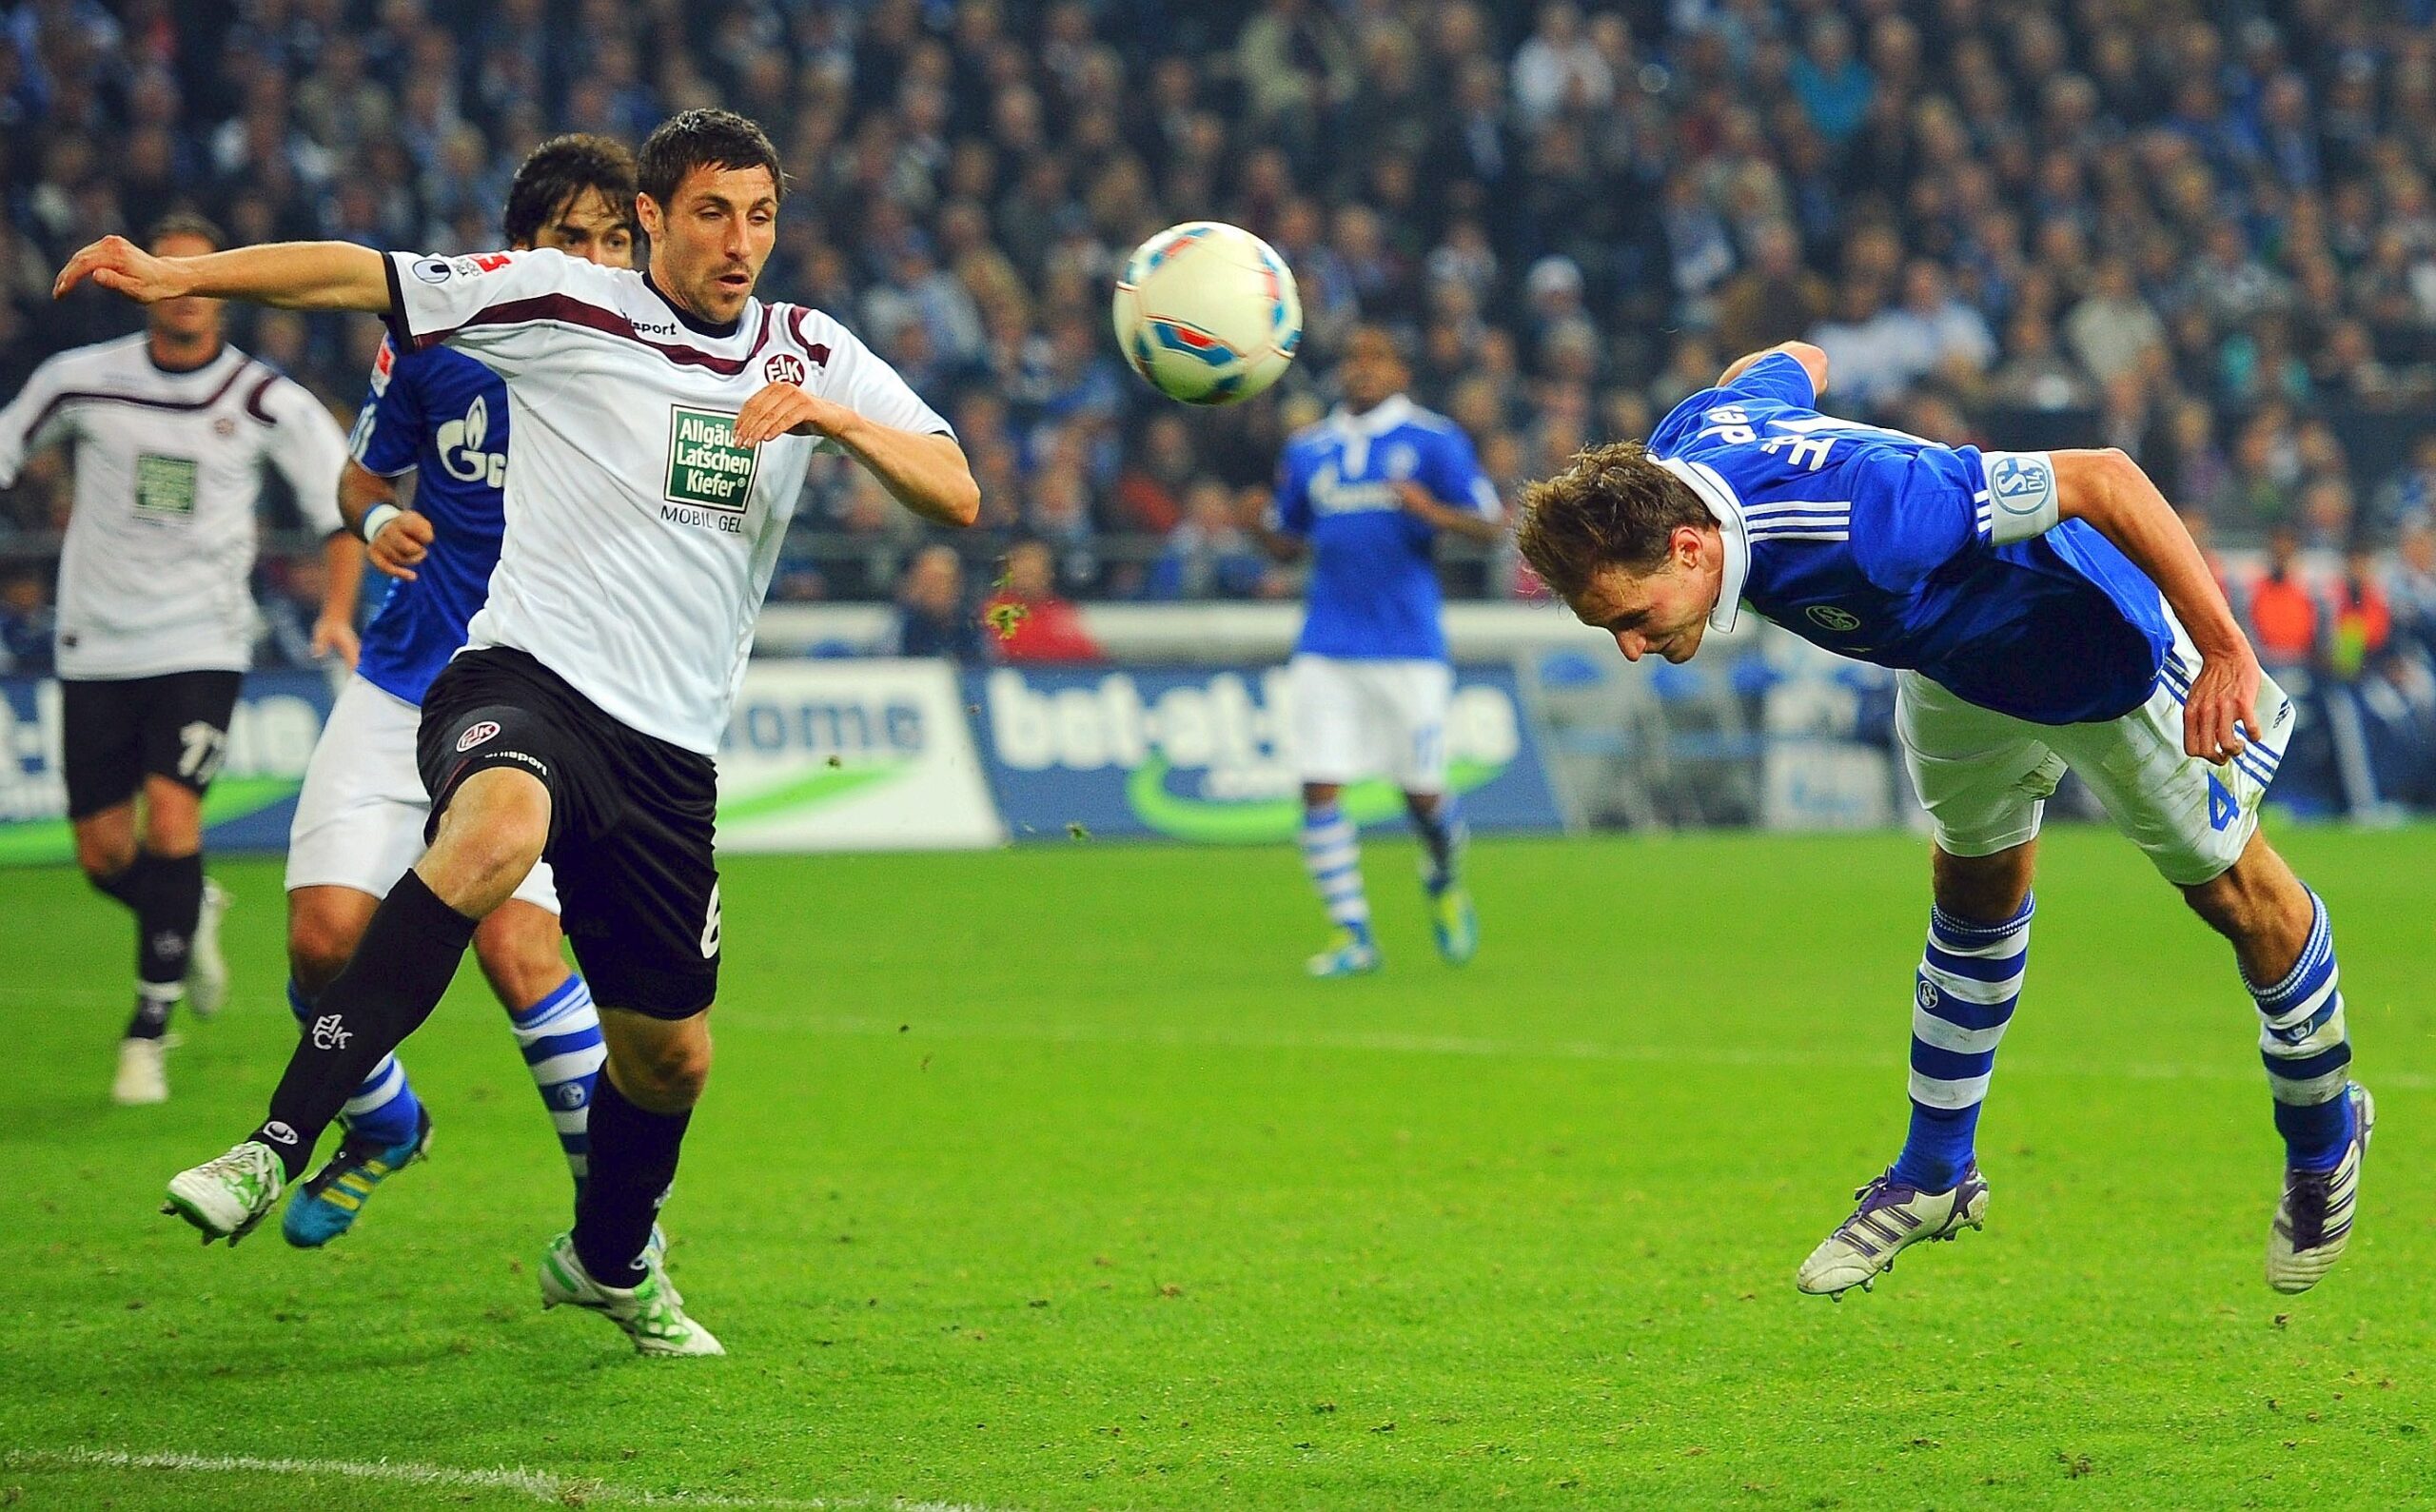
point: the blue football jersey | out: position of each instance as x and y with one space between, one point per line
1373 591
1876 545
442 416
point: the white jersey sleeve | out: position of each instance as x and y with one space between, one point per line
856 377
308 447
509 309
34 417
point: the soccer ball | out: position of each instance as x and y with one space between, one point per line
1207 313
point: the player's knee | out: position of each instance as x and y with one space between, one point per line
2232 907
104 859
1987 889
495 828
668 1074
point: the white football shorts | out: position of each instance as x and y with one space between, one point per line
358 820
1985 776
1359 718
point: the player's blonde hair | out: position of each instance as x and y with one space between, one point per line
1613 506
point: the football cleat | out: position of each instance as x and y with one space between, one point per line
651 1312
142 1078
1890 1218
227 1195
206 967
331 1200
1350 954
2313 1222
1455 925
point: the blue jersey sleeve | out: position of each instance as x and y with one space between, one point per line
1777 376
1914 510
1452 473
388 431
1289 508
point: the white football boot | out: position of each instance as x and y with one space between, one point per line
652 1312
227 1195
143 1078
206 967
1890 1218
2313 1222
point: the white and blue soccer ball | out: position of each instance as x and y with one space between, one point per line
1207 313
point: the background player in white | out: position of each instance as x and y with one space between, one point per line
1368 489
441 419
169 431
2037 607
664 423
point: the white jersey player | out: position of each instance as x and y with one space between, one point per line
169 431
664 422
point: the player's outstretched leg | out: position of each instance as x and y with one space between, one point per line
1438 820
2285 942
1334 856
610 1263
388 1128
1970 980
491 832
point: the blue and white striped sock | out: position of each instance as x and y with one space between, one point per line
560 1038
2309 1057
1970 979
1333 857
385 1107
1442 836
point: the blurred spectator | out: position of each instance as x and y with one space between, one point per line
2112 330
2413 594
2285 621
2361 621
26 623
1028 622
1209 556
1775 298
932 619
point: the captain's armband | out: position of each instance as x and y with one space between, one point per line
2022 497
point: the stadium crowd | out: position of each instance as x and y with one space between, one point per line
2205 233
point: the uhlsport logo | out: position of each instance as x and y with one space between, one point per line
476 733
706 468
2020 483
280 1132
783 367
1827 617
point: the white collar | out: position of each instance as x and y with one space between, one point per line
1717 496
1375 421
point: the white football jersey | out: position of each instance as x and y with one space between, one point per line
154 578
640 538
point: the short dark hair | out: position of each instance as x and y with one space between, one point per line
561 170
1613 506
703 138
185 223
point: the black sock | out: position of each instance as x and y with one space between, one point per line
165 912
399 970
634 1161
126 887
151 1017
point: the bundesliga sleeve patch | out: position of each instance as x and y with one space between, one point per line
2022 497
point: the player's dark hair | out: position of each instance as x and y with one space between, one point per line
561 170
185 223
1613 506
703 138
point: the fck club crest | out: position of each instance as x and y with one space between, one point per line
783 367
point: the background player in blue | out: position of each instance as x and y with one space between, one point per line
1368 489
440 416
2046 611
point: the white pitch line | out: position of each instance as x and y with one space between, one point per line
539 1484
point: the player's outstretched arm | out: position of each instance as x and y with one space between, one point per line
927 474
1813 361
290 275
2109 490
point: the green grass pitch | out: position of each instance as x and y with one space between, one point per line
1041 1179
